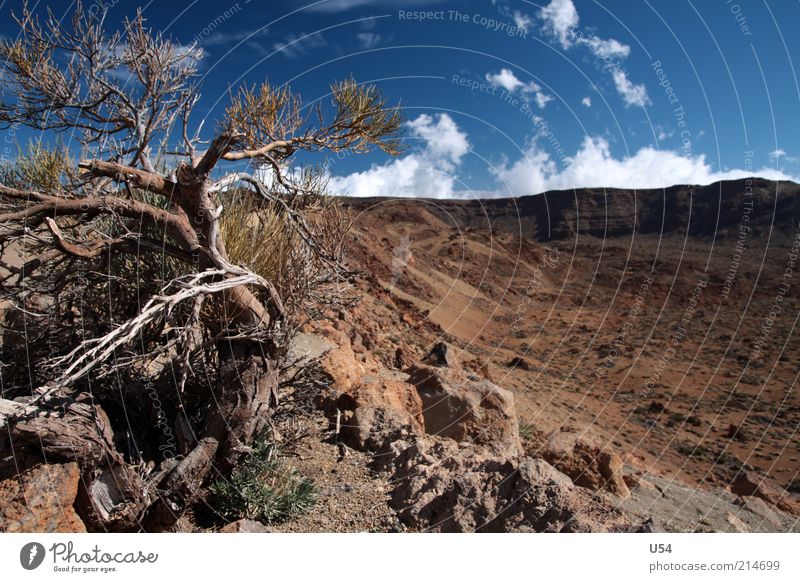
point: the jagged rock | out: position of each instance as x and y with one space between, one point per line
370 408
442 356
446 486
486 372
41 500
751 484
245 526
380 409
468 410
341 368
587 465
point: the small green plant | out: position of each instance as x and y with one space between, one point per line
525 430
263 488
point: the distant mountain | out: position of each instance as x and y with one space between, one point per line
706 210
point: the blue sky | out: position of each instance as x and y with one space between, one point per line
515 97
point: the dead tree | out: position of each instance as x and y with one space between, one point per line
128 99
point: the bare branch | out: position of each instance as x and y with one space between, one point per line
143 179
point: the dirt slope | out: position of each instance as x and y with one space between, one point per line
659 321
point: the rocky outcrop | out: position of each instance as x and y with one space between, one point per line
41 500
751 484
588 466
443 485
368 408
449 442
675 507
380 409
458 407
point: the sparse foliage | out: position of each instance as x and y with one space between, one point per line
264 487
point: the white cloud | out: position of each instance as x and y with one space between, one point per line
631 94
295 46
505 79
522 21
428 172
368 40
586 101
610 48
560 18
780 155
442 136
594 166
663 133
542 99
509 81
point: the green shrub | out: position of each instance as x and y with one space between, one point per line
264 488
525 430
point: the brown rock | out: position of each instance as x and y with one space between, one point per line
41 500
441 355
467 410
245 526
587 465
341 368
751 484
442 485
486 372
633 480
380 409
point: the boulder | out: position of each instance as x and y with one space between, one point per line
40 500
751 484
341 369
588 466
380 409
442 485
467 410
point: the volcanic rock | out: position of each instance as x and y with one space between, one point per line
587 465
41 500
442 485
467 410
751 484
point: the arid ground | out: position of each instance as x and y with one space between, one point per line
661 323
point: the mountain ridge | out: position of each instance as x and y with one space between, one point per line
561 214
